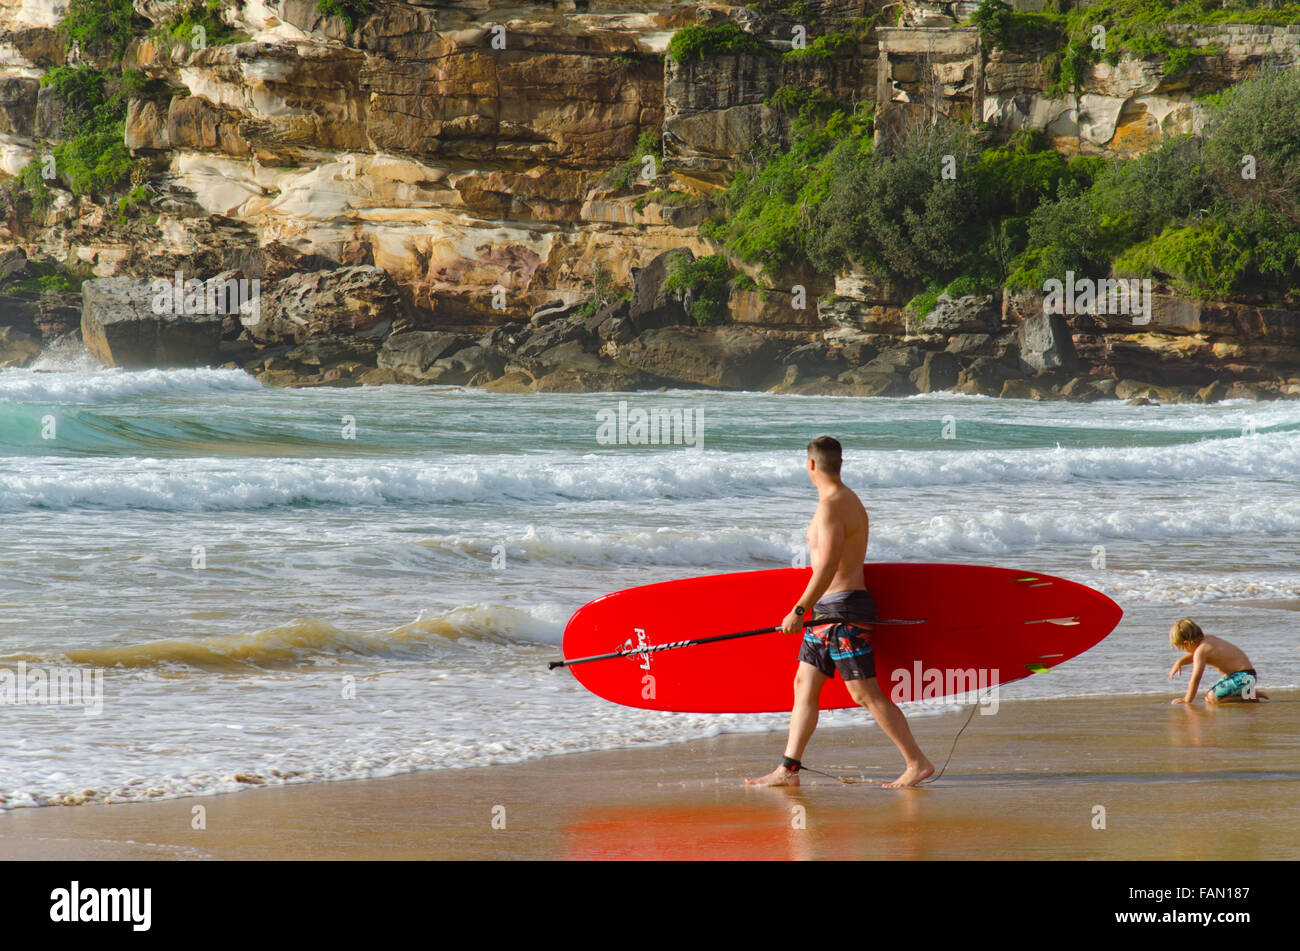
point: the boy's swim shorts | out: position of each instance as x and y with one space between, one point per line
1234 685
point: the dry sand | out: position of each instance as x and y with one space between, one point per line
1027 782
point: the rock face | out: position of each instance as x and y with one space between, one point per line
121 327
939 371
1121 109
1046 344
445 169
17 348
720 357
413 354
364 301
715 107
965 315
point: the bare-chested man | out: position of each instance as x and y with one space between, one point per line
837 542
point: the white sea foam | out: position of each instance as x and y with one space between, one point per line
207 484
113 385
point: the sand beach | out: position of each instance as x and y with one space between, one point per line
1027 782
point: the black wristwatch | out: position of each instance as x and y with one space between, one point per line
799 610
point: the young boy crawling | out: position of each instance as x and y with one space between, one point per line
1239 684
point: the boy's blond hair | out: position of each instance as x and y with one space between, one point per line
1185 631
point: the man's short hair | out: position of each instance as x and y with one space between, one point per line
827 453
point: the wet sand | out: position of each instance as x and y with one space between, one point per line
1028 782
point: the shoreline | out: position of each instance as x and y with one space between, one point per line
1025 782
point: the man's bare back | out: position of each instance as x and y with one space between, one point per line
842 510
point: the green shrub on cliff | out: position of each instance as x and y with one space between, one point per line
1202 261
649 144
200 20
708 280
31 183
603 291
999 23
352 12
669 199
93 157
905 211
806 102
698 42
1252 143
1217 214
769 206
1137 27
103 26
822 48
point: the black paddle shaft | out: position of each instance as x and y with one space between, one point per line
651 648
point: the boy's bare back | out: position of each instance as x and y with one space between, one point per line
1222 655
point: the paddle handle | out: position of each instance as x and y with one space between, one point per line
650 648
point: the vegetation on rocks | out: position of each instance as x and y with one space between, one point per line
662 196
31 183
1138 27
200 21
648 144
93 157
698 42
102 26
352 12
938 208
806 102
708 280
769 205
604 291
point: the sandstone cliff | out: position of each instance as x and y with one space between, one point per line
445 167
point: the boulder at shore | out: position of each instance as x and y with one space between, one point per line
121 328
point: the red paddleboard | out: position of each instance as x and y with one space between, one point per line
977 626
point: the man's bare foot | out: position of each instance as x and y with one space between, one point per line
778 777
912 775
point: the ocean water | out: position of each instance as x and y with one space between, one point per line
312 584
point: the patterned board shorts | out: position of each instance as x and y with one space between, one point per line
1236 685
843 643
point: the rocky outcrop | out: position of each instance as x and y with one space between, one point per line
427 197
122 326
413 354
17 348
364 301
1045 344
719 357
965 315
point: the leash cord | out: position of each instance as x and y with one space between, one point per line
849 781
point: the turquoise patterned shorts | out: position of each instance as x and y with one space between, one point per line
1234 685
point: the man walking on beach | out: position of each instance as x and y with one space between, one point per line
837 543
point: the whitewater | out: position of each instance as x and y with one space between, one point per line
286 585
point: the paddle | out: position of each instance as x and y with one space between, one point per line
650 648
